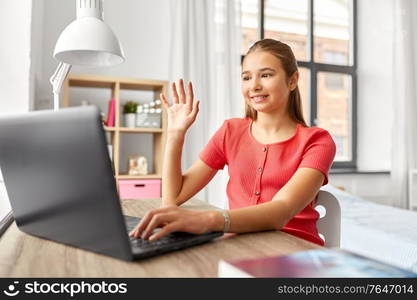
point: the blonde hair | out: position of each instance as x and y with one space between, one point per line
284 53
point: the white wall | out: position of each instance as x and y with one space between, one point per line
375 88
15 68
15 34
36 50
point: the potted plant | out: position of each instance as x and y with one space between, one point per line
129 110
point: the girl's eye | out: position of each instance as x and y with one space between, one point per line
266 75
245 78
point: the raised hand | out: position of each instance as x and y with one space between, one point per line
183 111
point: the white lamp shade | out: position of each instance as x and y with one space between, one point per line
88 42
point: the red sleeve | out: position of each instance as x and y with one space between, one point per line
319 153
213 153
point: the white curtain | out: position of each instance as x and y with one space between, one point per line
404 148
205 48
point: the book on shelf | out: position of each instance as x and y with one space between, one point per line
311 264
111 113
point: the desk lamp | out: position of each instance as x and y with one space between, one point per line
87 41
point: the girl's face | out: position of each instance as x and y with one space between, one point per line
265 85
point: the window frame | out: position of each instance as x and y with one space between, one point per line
315 67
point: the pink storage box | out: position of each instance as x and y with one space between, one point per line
139 189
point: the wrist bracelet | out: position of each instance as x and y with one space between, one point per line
226 220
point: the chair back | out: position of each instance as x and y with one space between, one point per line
328 225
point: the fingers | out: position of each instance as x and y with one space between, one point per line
196 109
180 96
164 100
144 222
172 227
169 220
137 231
156 222
174 93
190 95
182 91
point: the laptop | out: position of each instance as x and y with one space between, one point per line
59 179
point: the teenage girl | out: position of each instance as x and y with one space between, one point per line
276 163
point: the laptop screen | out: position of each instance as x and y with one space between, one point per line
59 179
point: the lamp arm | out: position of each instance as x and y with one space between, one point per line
57 79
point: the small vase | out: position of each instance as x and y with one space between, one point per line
130 120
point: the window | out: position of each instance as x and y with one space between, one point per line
340 142
333 81
322 36
334 57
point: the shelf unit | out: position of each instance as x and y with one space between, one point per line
116 84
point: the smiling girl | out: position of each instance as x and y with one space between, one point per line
276 163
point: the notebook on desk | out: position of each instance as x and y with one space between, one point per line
312 264
61 187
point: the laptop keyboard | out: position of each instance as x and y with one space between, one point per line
165 240
170 242
168 239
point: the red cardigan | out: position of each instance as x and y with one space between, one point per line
258 171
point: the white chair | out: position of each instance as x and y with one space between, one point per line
328 225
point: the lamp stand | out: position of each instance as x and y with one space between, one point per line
57 79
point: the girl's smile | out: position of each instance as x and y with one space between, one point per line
258 98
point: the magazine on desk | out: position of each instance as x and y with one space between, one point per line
312 264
